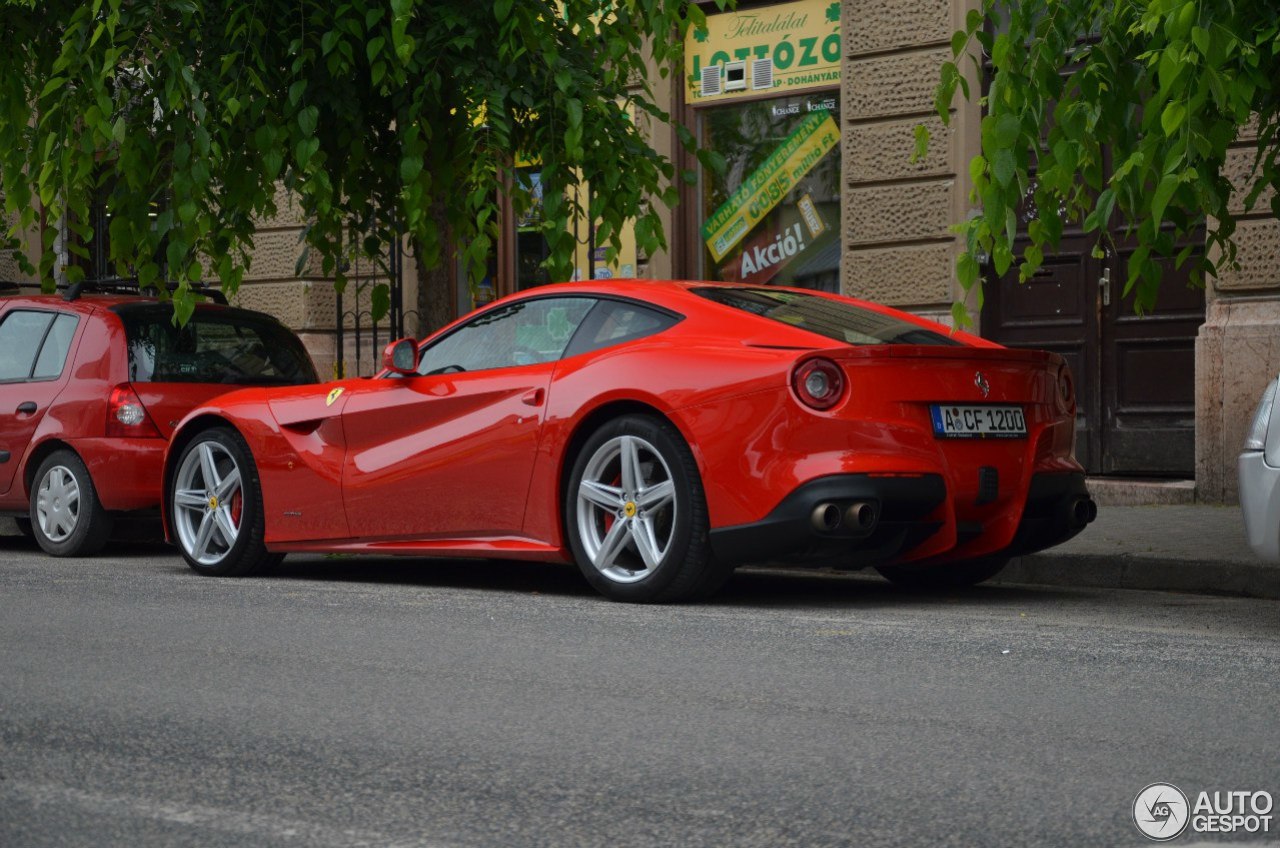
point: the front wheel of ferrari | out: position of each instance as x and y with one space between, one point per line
953 575
636 515
215 506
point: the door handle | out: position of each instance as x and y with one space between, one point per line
534 397
1104 283
27 408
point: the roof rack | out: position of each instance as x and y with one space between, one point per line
129 285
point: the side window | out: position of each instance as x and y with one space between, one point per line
20 337
53 354
523 333
614 321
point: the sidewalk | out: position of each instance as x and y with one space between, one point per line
1185 548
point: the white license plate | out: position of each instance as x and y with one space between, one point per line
978 422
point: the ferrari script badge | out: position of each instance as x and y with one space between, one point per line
980 381
333 395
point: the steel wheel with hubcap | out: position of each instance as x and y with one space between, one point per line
637 517
67 519
215 506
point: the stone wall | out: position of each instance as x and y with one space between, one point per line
897 244
1238 348
307 302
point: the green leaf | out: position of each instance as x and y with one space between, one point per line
379 302
921 133
967 269
1163 194
1003 165
1172 116
1007 128
305 149
307 120
502 9
1101 214
410 168
52 85
374 47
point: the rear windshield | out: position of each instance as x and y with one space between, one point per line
216 346
843 322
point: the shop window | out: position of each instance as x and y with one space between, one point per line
773 216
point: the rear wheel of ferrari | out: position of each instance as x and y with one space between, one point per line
215 506
66 517
950 576
636 514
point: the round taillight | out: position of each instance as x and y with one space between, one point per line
819 383
1066 388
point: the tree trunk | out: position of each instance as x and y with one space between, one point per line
435 299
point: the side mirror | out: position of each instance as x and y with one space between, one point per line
401 356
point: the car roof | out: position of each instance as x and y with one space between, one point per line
90 302
681 296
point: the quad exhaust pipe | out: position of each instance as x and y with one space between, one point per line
825 517
858 519
1080 511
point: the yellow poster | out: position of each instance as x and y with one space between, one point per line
764 49
764 189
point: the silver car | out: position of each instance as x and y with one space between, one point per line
1259 467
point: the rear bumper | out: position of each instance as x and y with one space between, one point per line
905 510
125 472
909 511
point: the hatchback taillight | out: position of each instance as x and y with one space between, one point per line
1066 389
819 383
127 417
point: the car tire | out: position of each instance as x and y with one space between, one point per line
66 518
955 575
215 507
636 515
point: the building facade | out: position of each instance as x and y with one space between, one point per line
813 105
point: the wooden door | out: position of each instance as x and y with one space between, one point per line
1135 375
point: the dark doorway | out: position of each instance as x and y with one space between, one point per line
1135 375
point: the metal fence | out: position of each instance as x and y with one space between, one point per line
368 336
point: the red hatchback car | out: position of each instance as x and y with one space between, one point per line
658 434
92 387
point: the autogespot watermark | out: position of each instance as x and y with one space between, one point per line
1163 812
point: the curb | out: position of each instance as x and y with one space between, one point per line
1246 579
1080 571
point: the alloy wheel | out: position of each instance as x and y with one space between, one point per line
626 509
208 503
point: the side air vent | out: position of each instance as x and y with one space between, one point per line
761 74
711 80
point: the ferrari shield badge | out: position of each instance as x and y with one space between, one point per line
333 395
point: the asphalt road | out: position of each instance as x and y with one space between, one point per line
398 702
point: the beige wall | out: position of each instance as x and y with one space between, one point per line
308 303
898 248
1238 349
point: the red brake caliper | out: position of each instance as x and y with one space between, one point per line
237 504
